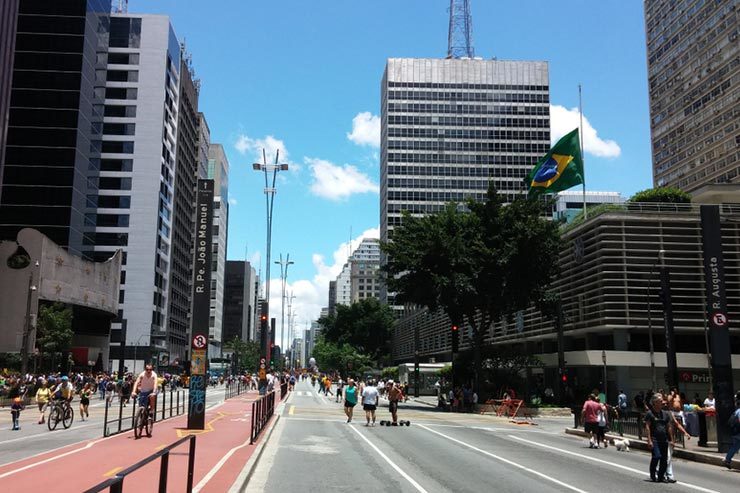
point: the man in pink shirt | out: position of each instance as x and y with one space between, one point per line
590 419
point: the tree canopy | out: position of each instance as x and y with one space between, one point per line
247 353
364 325
670 195
339 357
54 331
477 263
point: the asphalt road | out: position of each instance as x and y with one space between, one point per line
33 439
312 448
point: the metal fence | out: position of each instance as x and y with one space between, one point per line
235 388
115 484
283 390
262 410
168 404
631 423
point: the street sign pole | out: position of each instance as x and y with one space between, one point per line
201 305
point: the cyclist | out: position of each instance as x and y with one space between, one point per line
64 390
146 387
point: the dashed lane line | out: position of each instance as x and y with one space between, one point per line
505 461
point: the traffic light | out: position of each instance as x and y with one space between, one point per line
455 338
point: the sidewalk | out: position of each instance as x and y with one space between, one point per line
221 451
692 451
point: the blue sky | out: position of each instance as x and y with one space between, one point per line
298 75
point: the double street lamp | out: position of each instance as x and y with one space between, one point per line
28 325
284 278
270 191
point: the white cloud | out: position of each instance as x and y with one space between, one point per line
233 201
335 182
254 147
311 295
365 129
563 120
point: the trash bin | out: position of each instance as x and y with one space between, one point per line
702 429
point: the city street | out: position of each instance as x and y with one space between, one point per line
313 449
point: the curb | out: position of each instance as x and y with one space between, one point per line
680 453
419 401
242 480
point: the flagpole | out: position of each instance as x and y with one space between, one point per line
583 171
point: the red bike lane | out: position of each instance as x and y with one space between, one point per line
221 451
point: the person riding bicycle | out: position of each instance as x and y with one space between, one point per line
64 390
146 387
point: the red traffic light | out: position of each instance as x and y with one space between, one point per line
454 328
263 318
564 378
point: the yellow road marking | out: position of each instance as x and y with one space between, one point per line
207 429
291 410
160 447
112 472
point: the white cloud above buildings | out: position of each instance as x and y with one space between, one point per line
311 295
365 129
563 120
253 148
335 182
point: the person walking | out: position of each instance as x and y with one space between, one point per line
734 423
85 394
340 388
370 402
622 403
590 419
15 412
43 394
350 399
602 418
659 433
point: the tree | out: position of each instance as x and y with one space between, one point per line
247 354
365 325
54 331
478 265
669 195
339 357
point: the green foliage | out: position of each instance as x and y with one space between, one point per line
445 372
247 353
390 372
479 264
11 361
669 195
54 329
365 325
342 358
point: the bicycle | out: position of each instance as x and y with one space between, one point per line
143 422
60 410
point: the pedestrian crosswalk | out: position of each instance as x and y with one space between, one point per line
301 393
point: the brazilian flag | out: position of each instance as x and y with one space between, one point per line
560 169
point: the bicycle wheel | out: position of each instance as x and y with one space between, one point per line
138 425
68 417
53 418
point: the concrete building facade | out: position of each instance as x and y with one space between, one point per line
694 84
218 170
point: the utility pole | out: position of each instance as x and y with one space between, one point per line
460 34
284 278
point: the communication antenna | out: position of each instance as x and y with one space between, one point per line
460 35
122 7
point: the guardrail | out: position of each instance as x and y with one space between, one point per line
631 423
235 388
115 484
168 404
283 390
262 410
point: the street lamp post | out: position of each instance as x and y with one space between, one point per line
284 278
603 360
670 338
270 191
27 326
650 328
136 345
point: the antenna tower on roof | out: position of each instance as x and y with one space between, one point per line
460 35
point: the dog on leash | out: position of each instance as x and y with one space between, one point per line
621 445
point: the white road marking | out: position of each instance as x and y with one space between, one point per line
45 434
393 464
612 464
505 461
258 480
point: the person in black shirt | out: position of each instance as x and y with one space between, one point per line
658 424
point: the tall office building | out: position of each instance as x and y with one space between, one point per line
251 301
234 291
53 145
135 198
218 171
449 127
180 293
344 286
693 73
8 21
364 270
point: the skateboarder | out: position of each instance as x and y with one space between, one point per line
395 394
